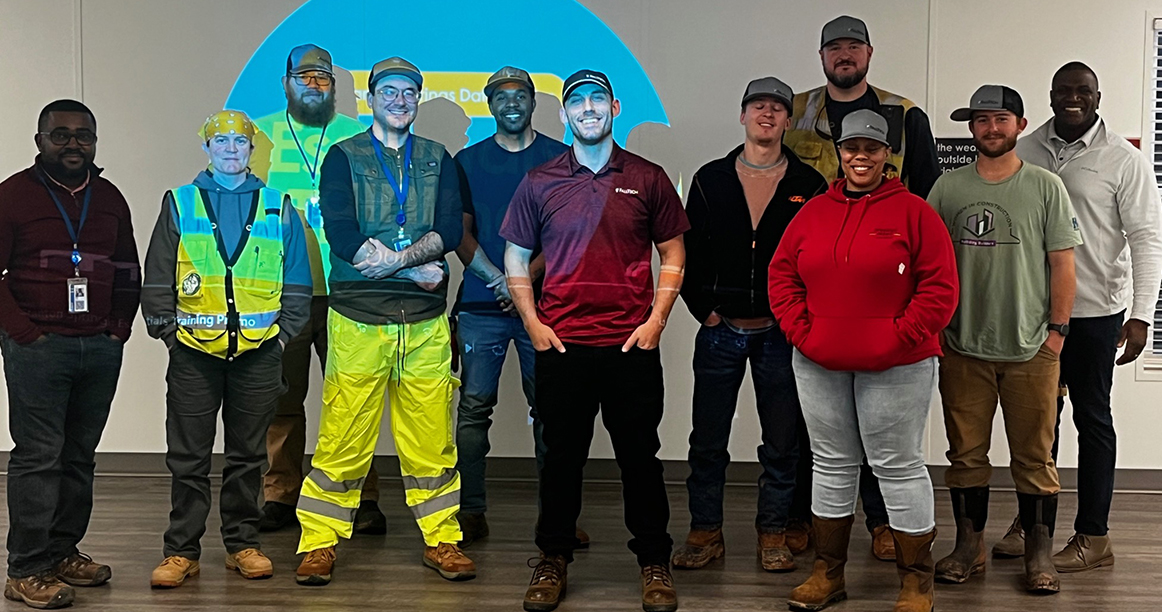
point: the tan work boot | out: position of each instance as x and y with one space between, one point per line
41 591
79 569
658 594
547 588
826 584
1012 546
251 563
701 547
883 547
1084 552
173 571
915 566
450 562
315 570
774 555
798 536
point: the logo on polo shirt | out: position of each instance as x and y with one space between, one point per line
798 199
626 191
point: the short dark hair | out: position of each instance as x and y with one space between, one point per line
1075 67
64 106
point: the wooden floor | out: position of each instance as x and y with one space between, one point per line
384 573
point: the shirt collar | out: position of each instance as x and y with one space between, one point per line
616 161
66 189
1086 139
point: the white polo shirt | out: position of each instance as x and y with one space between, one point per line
1116 197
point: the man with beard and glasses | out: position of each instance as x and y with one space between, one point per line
71 288
296 142
1112 186
846 51
486 320
595 212
1014 230
391 201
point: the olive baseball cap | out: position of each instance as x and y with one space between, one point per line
309 58
991 98
393 66
508 74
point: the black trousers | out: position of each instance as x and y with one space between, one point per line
59 392
1087 369
627 388
246 390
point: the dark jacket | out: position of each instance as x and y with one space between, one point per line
726 259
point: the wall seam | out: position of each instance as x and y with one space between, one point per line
79 51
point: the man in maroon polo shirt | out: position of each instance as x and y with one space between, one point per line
595 211
67 304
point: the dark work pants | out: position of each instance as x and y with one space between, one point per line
59 392
720 358
627 388
247 391
1087 369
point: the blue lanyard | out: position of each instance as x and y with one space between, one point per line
74 233
401 190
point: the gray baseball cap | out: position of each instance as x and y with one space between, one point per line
772 87
991 98
844 26
864 123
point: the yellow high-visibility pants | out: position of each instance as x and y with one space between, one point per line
412 364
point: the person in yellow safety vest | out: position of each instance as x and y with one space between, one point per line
289 150
846 51
228 284
391 210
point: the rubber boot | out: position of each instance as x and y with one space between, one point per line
970 508
915 565
825 586
1038 515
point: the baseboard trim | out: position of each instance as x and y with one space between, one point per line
739 473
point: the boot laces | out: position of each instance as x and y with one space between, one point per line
44 580
321 556
545 570
172 560
446 550
658 573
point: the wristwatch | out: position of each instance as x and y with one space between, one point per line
1062 328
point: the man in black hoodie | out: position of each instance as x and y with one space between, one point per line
738 208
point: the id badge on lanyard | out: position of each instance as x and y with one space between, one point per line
402 241
78 294
78 286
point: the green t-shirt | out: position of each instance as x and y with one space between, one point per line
1002 233
280 163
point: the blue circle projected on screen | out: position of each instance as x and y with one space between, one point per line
457 44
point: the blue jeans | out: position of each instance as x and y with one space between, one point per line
882 414
59 392
484 341
720 358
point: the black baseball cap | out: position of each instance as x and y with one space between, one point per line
586 77
991 98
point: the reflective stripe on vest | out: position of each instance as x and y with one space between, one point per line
227 306
813 148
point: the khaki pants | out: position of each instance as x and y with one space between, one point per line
970 388
287 436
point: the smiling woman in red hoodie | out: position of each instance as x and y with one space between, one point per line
862 283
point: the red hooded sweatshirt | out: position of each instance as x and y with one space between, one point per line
867 284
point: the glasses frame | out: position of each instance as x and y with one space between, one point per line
71 135
305 80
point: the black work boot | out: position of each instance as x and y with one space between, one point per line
1038 515
970 507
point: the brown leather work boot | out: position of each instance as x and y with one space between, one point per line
1084 552
883 547
41 591
700 549
547 588
173 571
658 594
774 555
316 568
79 569
1012 546
1038 514
970 507
915 566
826 585
798 536
251 563
449 561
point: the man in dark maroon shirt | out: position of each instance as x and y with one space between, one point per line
67 303
595 211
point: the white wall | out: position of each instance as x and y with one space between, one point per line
153 69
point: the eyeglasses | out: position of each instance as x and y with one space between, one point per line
390 93
321 80
62 136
